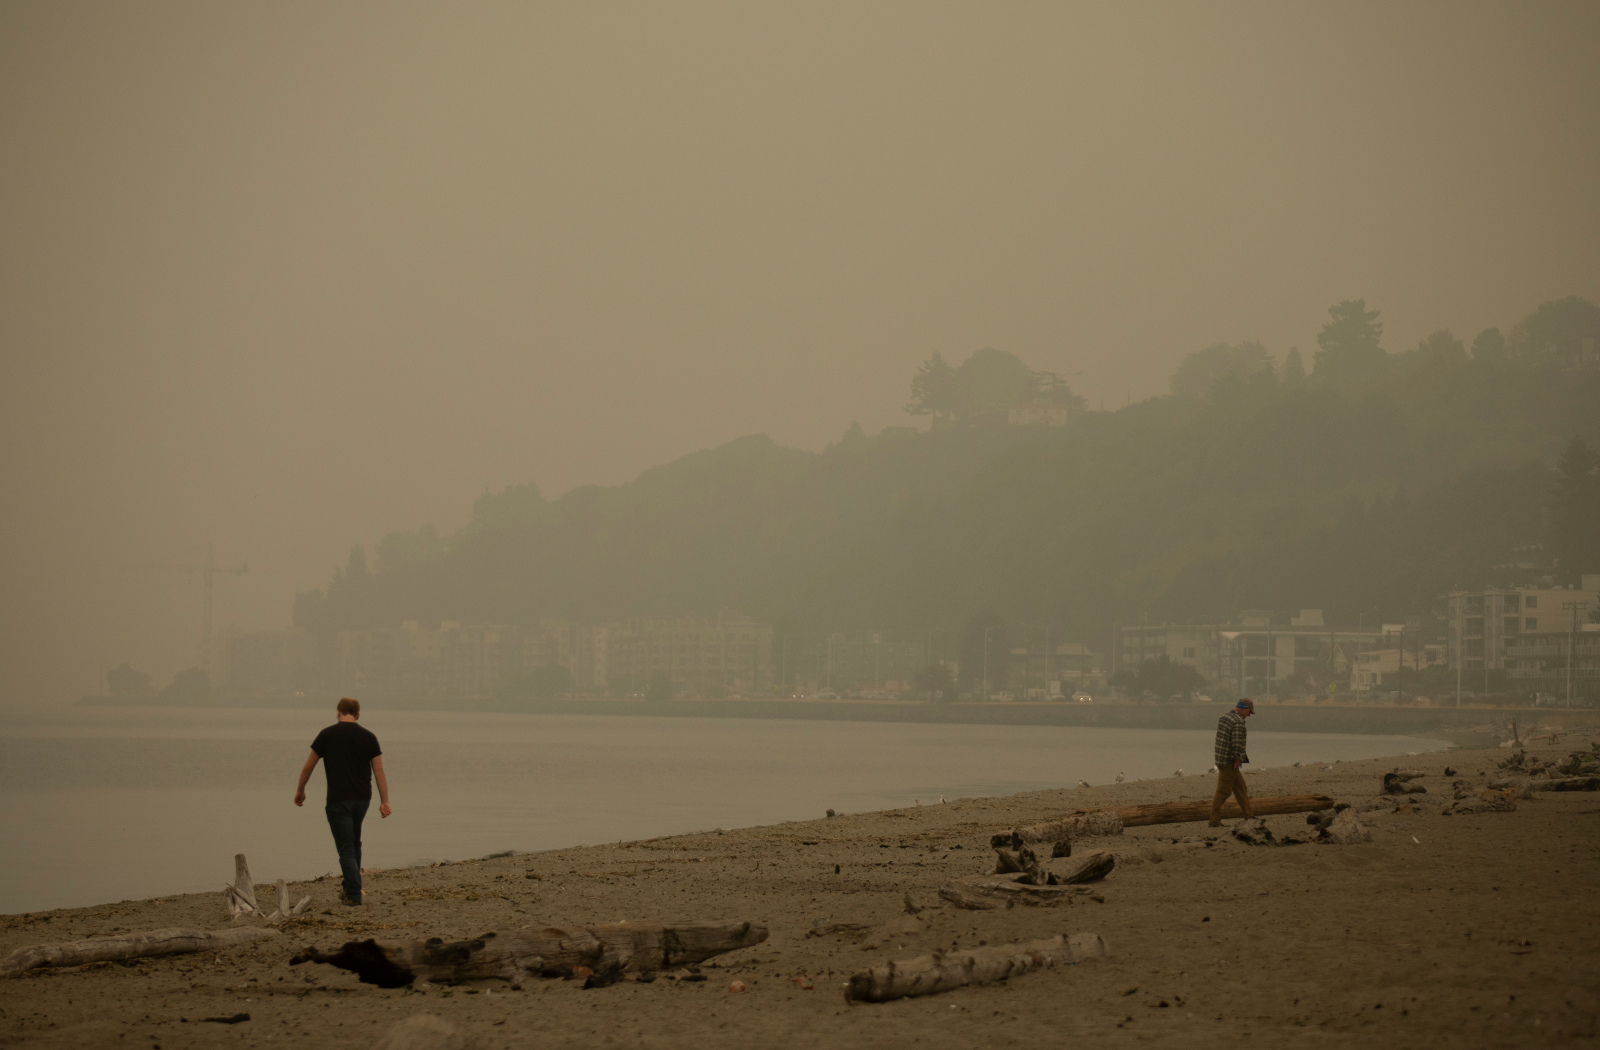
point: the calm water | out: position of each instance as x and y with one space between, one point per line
110 804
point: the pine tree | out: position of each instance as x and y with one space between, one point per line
1350 354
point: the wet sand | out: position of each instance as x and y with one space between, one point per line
1447 931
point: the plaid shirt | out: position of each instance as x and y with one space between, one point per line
1230 740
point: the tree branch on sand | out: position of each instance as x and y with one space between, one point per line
128 946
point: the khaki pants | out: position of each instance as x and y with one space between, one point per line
1230 781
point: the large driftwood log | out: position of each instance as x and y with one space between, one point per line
1568 784
128 946
1060 832
1180 812
942 971
511 954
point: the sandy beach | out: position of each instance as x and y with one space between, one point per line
1462 930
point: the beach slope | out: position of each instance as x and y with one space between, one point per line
1473 929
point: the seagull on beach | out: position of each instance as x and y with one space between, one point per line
1179 773
1083 783
941 798
1327 769
1213 769
1119 778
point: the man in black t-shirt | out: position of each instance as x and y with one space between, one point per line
352 759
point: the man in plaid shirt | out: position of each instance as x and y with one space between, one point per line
1230 755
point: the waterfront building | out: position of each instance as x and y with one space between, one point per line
1483 623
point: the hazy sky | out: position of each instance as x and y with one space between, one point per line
284 277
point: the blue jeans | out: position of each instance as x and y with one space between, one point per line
345 818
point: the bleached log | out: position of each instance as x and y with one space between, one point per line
301 905
511 954
281 912
943 971
128 946
237 904
1060 832
988 892
1090 867
422 1032
241 882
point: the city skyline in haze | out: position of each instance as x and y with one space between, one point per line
285 279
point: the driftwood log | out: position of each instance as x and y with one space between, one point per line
987 892
512 954
1568 784
128 946
1032 871
942 971
1060 832
240 894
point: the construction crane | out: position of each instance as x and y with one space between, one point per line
208 571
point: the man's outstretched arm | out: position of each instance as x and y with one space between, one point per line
383 786
305 775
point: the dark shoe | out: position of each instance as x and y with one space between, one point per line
346 900
1218 824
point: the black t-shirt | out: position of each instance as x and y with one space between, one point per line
347 752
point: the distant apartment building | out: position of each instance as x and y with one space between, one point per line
452 661
1545 661
265 663
1252 655
1386 668
703 657
479 661
1059 669
1482 624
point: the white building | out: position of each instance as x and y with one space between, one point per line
1482 623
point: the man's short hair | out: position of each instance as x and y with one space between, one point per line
350 706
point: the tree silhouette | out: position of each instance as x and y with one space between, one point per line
1350 353
125 681
1575 510
933 390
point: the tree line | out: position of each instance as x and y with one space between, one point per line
1359 480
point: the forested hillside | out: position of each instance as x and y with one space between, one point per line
1356 480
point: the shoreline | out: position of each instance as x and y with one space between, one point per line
1465 726
1416 933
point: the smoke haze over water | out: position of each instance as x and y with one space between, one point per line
284 278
